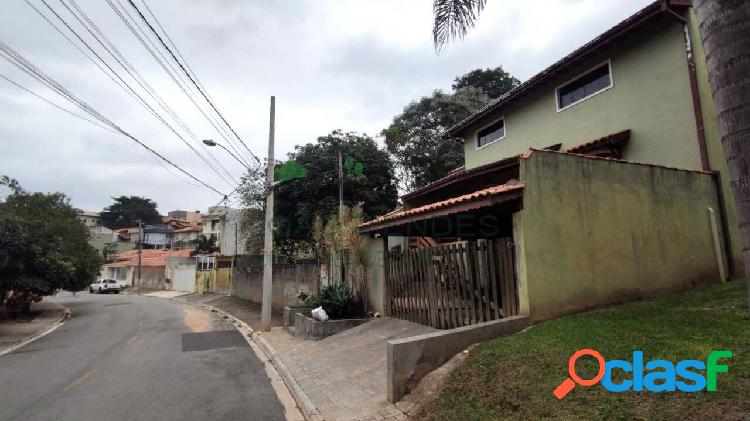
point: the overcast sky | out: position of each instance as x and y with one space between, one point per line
348 65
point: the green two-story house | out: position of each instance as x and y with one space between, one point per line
605 171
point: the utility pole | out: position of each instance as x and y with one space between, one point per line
140 250
341 253
265 313
341 185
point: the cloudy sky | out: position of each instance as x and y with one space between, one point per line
344 64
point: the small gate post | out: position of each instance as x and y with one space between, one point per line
386 276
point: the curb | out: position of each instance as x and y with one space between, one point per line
308 409
64 317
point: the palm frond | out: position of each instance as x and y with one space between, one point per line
453 19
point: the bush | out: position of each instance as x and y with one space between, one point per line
338 301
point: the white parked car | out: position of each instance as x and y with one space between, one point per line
105 285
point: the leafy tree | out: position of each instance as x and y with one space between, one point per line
43 245
415 140
369 181
494 82
127 210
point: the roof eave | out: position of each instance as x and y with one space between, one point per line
617 31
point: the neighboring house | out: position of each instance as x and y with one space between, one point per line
101 237
158 236
231 233
212 222
154 273
185 237
225 224
90 219
180 215
599 180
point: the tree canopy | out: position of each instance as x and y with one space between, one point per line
127 210
415 137
43 245
369 179
494 82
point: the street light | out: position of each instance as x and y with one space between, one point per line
209 142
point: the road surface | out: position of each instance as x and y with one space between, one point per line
123 357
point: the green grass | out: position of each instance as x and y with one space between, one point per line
513 377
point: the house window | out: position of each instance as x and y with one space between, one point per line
587 85
215 225
206 262
491 133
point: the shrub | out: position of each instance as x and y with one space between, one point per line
338 301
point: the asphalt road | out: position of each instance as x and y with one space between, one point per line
124 357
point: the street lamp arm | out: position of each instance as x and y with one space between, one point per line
209 142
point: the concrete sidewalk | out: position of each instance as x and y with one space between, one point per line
343 376
166 294
15 331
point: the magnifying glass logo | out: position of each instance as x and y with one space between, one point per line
568 384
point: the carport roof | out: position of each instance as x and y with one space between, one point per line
478 199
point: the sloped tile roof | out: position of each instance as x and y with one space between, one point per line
149 257
445 204
615 139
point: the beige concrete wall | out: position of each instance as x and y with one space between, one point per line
288 280
650 95
595 232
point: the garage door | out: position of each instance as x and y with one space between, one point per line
184 279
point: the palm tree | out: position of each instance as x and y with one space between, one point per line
453 18
724 27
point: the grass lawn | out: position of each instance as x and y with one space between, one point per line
513 377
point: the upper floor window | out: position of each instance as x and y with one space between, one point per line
491 133
587 85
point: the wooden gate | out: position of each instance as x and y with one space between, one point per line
453 285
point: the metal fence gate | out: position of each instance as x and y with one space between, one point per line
453 285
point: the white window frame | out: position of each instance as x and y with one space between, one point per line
206 262
608 62
505 133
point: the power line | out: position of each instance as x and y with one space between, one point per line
140 99
26 66
191 79
177 50
141 36
92 122
18 85
113 51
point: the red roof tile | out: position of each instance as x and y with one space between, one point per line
149 257
443 204
614 139
459 174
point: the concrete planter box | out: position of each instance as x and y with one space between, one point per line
307 328
289 313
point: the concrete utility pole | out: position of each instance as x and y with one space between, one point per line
341 184
140 250
341 214
265 314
